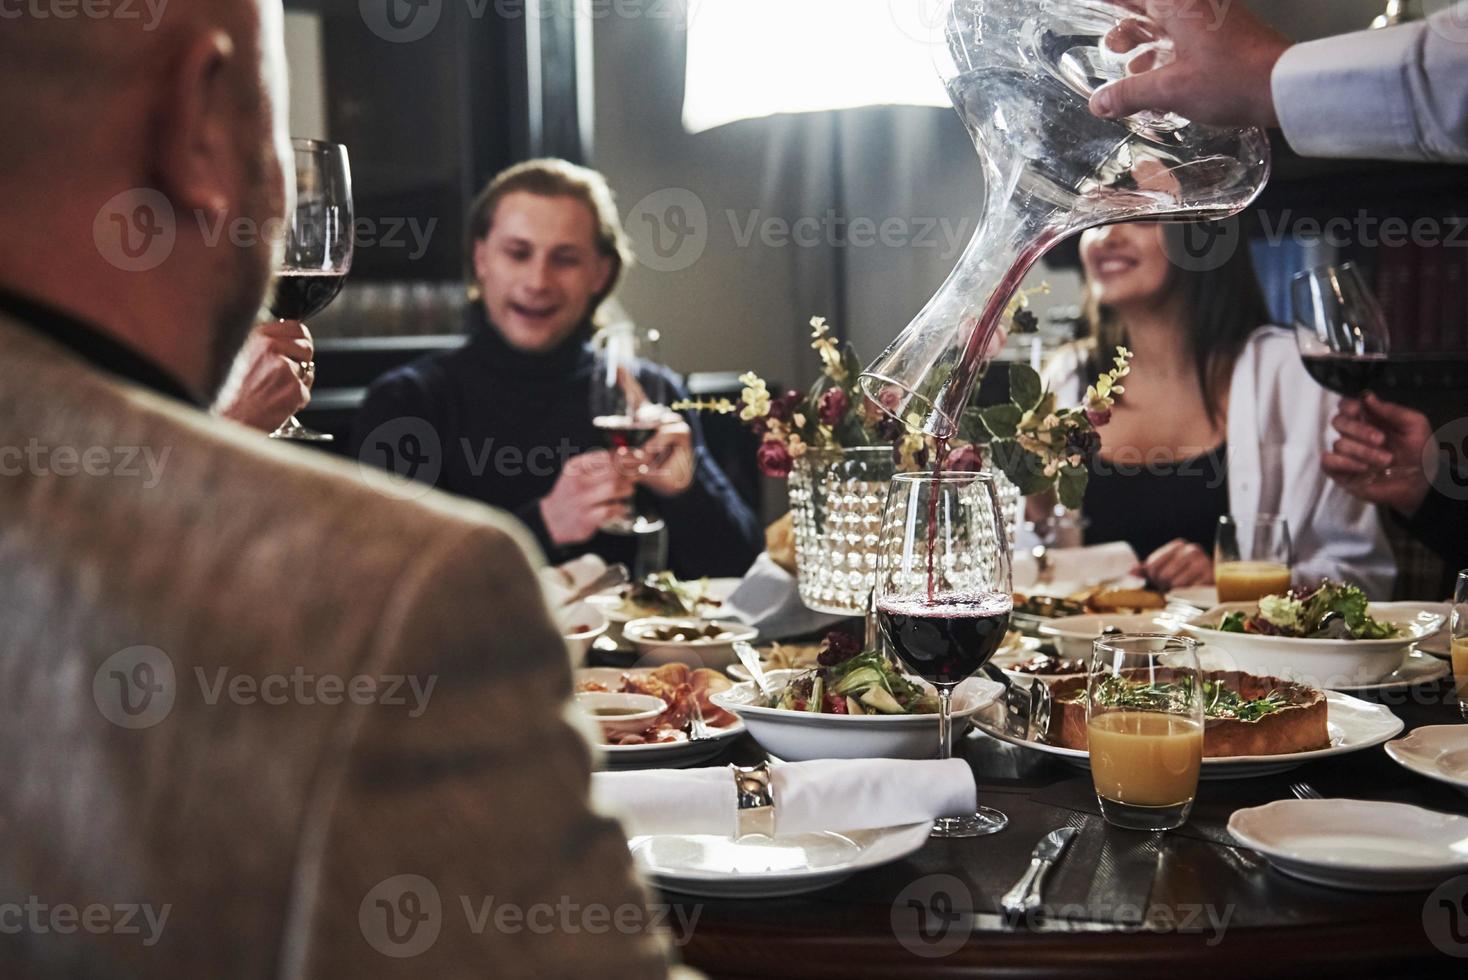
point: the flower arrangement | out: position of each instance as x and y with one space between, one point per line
1040 446
1037 446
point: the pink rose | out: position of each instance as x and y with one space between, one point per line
774 459
834 404
1100 418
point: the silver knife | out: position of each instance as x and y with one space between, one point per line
1024 897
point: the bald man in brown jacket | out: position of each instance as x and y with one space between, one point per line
258 718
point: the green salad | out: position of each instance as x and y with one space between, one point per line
852 681
1332 612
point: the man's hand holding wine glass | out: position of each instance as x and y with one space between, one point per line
665 463
1378 456
272 376
592 490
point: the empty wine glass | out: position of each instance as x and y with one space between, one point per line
318 248
943 594
629 404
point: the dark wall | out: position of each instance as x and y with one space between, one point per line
428 119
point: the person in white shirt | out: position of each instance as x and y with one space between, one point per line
1218 417
1395 94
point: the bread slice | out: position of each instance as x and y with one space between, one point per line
1298 725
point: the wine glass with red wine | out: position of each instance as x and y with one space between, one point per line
318 247
1340 329
943 594
1342 334
629 400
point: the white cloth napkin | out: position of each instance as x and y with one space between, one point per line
828 794
769 600
1072 569
560 581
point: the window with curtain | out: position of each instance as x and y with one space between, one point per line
748 59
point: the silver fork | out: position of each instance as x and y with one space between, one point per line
699 729
1305 791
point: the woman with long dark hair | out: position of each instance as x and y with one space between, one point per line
1219 415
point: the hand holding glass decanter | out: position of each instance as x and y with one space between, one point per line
1020 74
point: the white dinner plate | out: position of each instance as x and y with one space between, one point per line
769 867
1436 751
1197 596
1417 668
1353 724
662 755
1364 845
1436 644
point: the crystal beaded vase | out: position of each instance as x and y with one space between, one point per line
836 500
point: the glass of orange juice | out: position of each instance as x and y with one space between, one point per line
1144 727
1459 630
1251 557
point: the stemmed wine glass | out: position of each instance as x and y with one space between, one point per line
1339 328
318 247
1342 335
943 594
629 401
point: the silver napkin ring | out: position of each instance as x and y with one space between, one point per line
754 796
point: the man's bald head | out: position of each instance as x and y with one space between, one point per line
182 99
60 77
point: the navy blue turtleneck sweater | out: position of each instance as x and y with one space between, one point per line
497 426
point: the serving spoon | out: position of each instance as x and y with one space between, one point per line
749 657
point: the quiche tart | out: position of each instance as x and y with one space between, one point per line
1244 714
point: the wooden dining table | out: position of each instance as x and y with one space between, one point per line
1128 904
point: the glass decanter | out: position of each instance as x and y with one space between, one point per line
1021 73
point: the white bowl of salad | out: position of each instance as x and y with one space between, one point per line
861 708
1327 637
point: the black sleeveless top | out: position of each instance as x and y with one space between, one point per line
1150 505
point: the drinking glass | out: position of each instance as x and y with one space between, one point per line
318 248
1020 74
629 400
1251 557
1459 630
1144 725
1343 337
943 594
